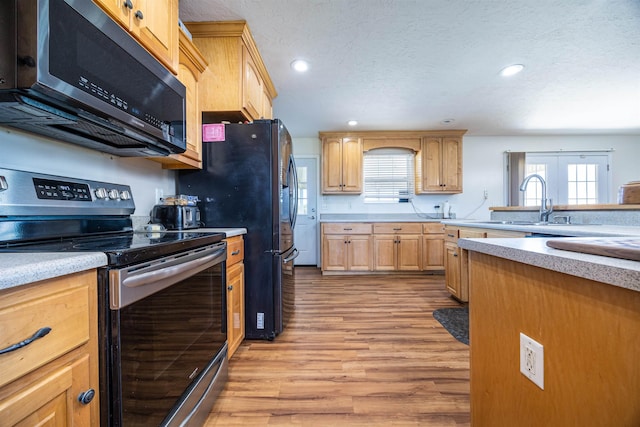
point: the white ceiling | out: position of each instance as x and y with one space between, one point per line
409 64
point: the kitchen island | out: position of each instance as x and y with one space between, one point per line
583 309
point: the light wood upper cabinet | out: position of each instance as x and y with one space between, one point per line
192 65
341 165
441 165
154 23
236 86
43 380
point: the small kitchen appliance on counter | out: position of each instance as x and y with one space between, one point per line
177 213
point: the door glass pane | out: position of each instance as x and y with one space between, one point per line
303 190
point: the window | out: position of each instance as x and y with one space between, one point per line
303 190
572 178
388 175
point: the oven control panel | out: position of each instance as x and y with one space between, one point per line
25 193
61 190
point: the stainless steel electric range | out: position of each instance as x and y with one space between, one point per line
162 307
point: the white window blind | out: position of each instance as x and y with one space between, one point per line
388 175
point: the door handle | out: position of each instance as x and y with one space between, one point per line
312 217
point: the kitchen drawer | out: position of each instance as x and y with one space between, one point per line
433 228
235 250
472 234
61 305
397 228
346 228
451 234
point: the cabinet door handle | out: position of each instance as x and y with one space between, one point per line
230 287
455 255
128 4
86 396
139 15
39 334
236 252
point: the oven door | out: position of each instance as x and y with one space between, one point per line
167 338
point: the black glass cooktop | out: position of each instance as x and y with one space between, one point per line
123 248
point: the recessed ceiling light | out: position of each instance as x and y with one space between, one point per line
300 65
511 70
352 122
447 121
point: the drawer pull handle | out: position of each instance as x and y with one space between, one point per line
86 396
39 334
236 252
347 229
451 235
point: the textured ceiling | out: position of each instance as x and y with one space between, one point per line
409 64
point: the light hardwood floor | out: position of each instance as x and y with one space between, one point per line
359 351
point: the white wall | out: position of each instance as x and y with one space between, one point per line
483 158
25 151
482 166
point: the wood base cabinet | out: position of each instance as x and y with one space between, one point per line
54 379
457 259
235 293
382 247
346 247
397 246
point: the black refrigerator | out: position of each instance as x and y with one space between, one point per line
248 180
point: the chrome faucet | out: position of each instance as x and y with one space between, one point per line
545 209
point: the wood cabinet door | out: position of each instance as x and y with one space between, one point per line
332 165
54 398
409 252
384 252
252 86
352 156
118 10
155 24
433 252
235 307
432 164
334 255
359 253
452 269
452 164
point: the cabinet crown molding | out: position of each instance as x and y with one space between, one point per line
392 133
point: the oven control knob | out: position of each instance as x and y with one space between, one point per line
101 193
114 194
86 396
125 195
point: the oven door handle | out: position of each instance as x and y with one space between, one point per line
177 271
132 284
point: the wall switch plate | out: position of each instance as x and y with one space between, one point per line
532 360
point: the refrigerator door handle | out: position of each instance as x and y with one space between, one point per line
293 187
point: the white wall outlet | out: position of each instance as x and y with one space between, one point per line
532 360
260 321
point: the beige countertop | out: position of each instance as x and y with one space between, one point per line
406 217
572 230
22 268
534 251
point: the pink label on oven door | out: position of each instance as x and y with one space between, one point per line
213 132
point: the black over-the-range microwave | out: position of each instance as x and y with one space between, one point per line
70 72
